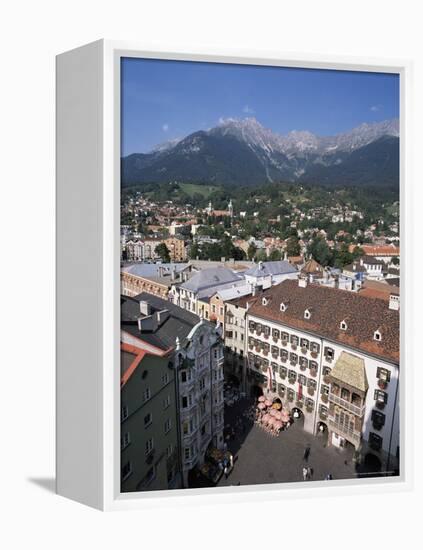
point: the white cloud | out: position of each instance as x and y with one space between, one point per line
248 110
376 108
165 127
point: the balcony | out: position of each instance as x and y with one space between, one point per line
358 411
352 435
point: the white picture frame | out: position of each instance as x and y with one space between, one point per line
88 352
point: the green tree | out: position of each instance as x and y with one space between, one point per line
293 247
163 252
252 249
320 251
261 255
275 255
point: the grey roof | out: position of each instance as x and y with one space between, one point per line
178 324
263 269
234 292
151 270
211 277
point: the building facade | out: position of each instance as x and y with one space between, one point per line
194 347
149 434
331 356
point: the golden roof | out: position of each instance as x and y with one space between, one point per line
350 369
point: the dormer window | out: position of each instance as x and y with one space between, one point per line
377 336
343 325
307 314
264 301
284 306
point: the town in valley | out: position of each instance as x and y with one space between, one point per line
283 302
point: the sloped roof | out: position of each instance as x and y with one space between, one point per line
263 269
234 292
212 276
179 323
329 307
350 369
312 267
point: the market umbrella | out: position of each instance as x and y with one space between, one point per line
262 398
278 415
278 425
276 406
266 418
273 412
261 406
268 403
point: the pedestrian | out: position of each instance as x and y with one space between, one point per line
309 473
306 453
328 477
305 472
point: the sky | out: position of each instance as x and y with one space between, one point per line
165 100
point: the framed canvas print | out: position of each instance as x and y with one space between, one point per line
230 246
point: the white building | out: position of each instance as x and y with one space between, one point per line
332 356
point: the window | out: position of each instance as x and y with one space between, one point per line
323 411
202 384
148 419
125 440
283 372
294 340
309 404
293 358
329 354
281 390
324 390
124 413
165 379
377 336
302 379
275 334
375 441
314 347
383 374
312 384
251 325
167 426
284 355
378 419
303 362
275 351
221 311
126 470
146 395
149 446
266 330
343 325
187 453
313 366
166 402
304 343
292 376
284 337
345 394
381 396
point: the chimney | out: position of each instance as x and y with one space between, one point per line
173 273
302 282
394 302
145 308
253 289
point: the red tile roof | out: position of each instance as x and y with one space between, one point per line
363 315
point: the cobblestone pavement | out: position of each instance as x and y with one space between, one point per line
261 458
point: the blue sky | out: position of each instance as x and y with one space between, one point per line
163 100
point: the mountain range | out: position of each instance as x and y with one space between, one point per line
243 152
